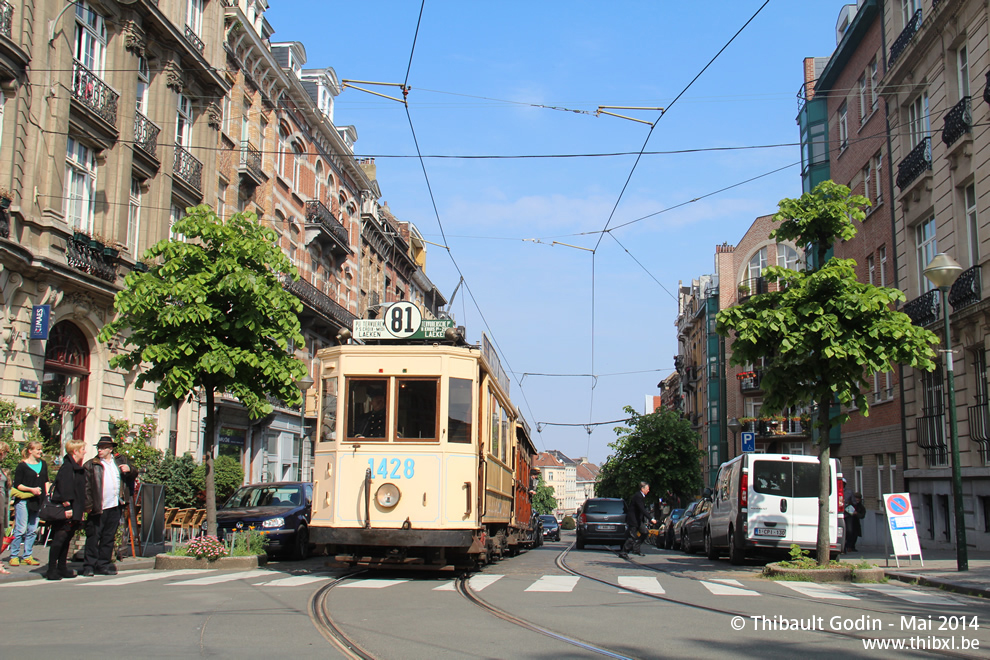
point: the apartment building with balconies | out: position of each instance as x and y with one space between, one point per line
936 88
109 113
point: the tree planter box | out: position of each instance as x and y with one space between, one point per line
171 563
837 574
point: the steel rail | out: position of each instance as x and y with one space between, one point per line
325 624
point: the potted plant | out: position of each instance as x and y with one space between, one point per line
744 289
6 197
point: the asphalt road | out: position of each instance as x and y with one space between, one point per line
697 608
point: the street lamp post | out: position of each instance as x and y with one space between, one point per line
942 271
303 384
735 426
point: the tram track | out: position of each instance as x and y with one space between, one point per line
319 614
561 562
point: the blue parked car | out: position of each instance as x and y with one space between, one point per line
279 510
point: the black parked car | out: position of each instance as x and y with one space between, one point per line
666 532
679 525
602 522
551 528
693 527
279 510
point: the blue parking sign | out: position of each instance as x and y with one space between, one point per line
748 442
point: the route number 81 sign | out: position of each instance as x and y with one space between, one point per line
401 320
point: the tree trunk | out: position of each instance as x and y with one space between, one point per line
824 478
211 484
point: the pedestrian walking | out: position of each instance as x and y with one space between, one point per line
69 491
109 484
853 515
30 488
636 517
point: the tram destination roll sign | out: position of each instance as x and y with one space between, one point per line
402 320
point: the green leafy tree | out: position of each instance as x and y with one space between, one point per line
212 316
822 332
544 501
659 448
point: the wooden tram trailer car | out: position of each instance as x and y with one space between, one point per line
420 458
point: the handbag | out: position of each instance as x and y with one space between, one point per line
51 511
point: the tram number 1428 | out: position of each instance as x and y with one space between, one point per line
389 468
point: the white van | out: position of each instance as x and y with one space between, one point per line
770 501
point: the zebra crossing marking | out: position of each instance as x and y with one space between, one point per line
370 584
910 595
293 581
643 583
221 577
476 582
135 578
816 590
554 583
728 588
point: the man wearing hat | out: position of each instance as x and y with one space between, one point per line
109 483
372 423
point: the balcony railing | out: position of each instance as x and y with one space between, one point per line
905 37
92 258
958 121
250 163
931 438
188 168
966 289
88 89
6 19
319 301
915 163
194 39
318 214
146 134
925 309
774 426
751 383
752 287
979 428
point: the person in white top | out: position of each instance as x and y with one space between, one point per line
109 482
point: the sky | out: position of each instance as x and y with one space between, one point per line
493 80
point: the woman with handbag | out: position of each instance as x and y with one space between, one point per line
69 492
30 487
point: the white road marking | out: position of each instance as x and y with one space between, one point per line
648 585
132 578
910 595
728 588
476 582
558 583
293 581
222 577
370 584
814 590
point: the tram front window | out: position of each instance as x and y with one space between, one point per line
417 414
367 409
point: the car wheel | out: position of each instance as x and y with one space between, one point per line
300 547
736 554
710 550
686 543
579 543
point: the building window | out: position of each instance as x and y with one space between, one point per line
858 474
985 505
864 101
972 226
757 264
80 186
880 492
134 218
877 180
283 148
787 257
175 214
222 199
931 423
183 121
908 7
962 64
927 249
943 509
919 119
883 265
297 161
318 182
883 388
874 83
843 126
143 84
868 184
91 38
871 270
926 504
194 16
891 471
979 414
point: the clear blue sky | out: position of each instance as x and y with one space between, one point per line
478 72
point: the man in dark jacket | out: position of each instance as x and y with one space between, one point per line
109 483
69 491
636 518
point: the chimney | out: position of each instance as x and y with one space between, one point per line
368 165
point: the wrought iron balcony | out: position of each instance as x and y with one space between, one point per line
318 301
958 121
319 216
915 163
92 92
194 39
931 438
250 164
979 428
6 19
905 37
966 289
925 309
146 134
93 258
188 168
752 287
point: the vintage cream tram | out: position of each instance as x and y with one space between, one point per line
421 458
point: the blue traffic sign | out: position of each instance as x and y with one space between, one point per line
748 442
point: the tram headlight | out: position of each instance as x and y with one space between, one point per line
387 496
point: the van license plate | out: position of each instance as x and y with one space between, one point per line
606 528
766 531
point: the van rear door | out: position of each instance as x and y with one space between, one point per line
783 503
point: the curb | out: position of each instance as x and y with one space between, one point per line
172 562
939 583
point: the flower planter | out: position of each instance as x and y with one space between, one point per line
4 203
841 573
140 267
95 244
110 252
79 237
171 563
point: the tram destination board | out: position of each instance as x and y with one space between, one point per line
402 320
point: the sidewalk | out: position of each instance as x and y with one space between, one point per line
21 573
939 569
